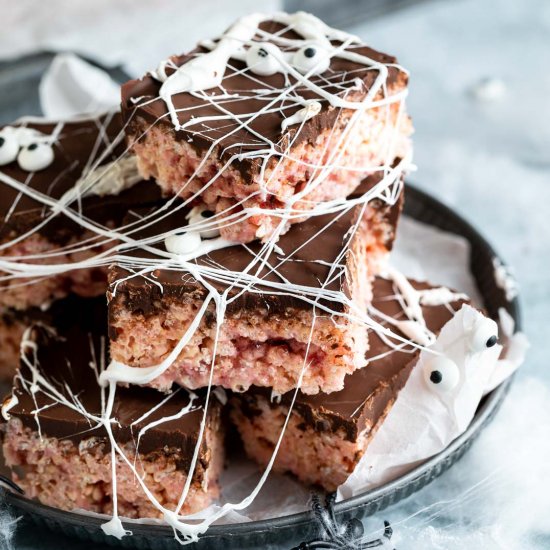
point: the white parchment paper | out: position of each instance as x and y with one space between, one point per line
71 87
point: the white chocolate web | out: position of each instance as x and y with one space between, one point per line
197 77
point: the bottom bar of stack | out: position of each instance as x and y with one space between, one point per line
328 433
57 439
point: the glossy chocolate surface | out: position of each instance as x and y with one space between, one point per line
310 249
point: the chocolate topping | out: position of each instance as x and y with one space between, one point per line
138 101
370 390
79 145
306 262
65 357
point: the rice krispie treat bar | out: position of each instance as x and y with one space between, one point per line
62 433
279 112
47 167
273 324
327 434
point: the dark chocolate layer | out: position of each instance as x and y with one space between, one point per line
145 90
370 390
302 264
79 146
65 357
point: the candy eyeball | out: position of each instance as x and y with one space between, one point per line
183 244
35 156
9 147
484 335
311 58
199 215
28 146
263 58
441 374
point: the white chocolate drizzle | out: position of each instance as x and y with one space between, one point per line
206 71
411 300
311 109
166 251
439 296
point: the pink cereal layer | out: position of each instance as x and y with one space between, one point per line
260 348
172 162
70 476
316 458
22 293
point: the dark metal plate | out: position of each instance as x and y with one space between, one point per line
297 527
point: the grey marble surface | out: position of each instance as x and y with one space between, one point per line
490 159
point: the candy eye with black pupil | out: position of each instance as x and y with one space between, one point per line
311 60
35 157
262 59
183 244
491 342
484 335
441 374
9 148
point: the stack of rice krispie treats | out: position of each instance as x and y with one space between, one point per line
263 184
241 154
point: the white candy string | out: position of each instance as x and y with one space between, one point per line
102 178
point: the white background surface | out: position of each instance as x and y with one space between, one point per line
489 159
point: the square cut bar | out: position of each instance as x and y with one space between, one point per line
82 150
327 434
62 458
252 161
264 337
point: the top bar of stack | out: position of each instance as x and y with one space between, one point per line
261 135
